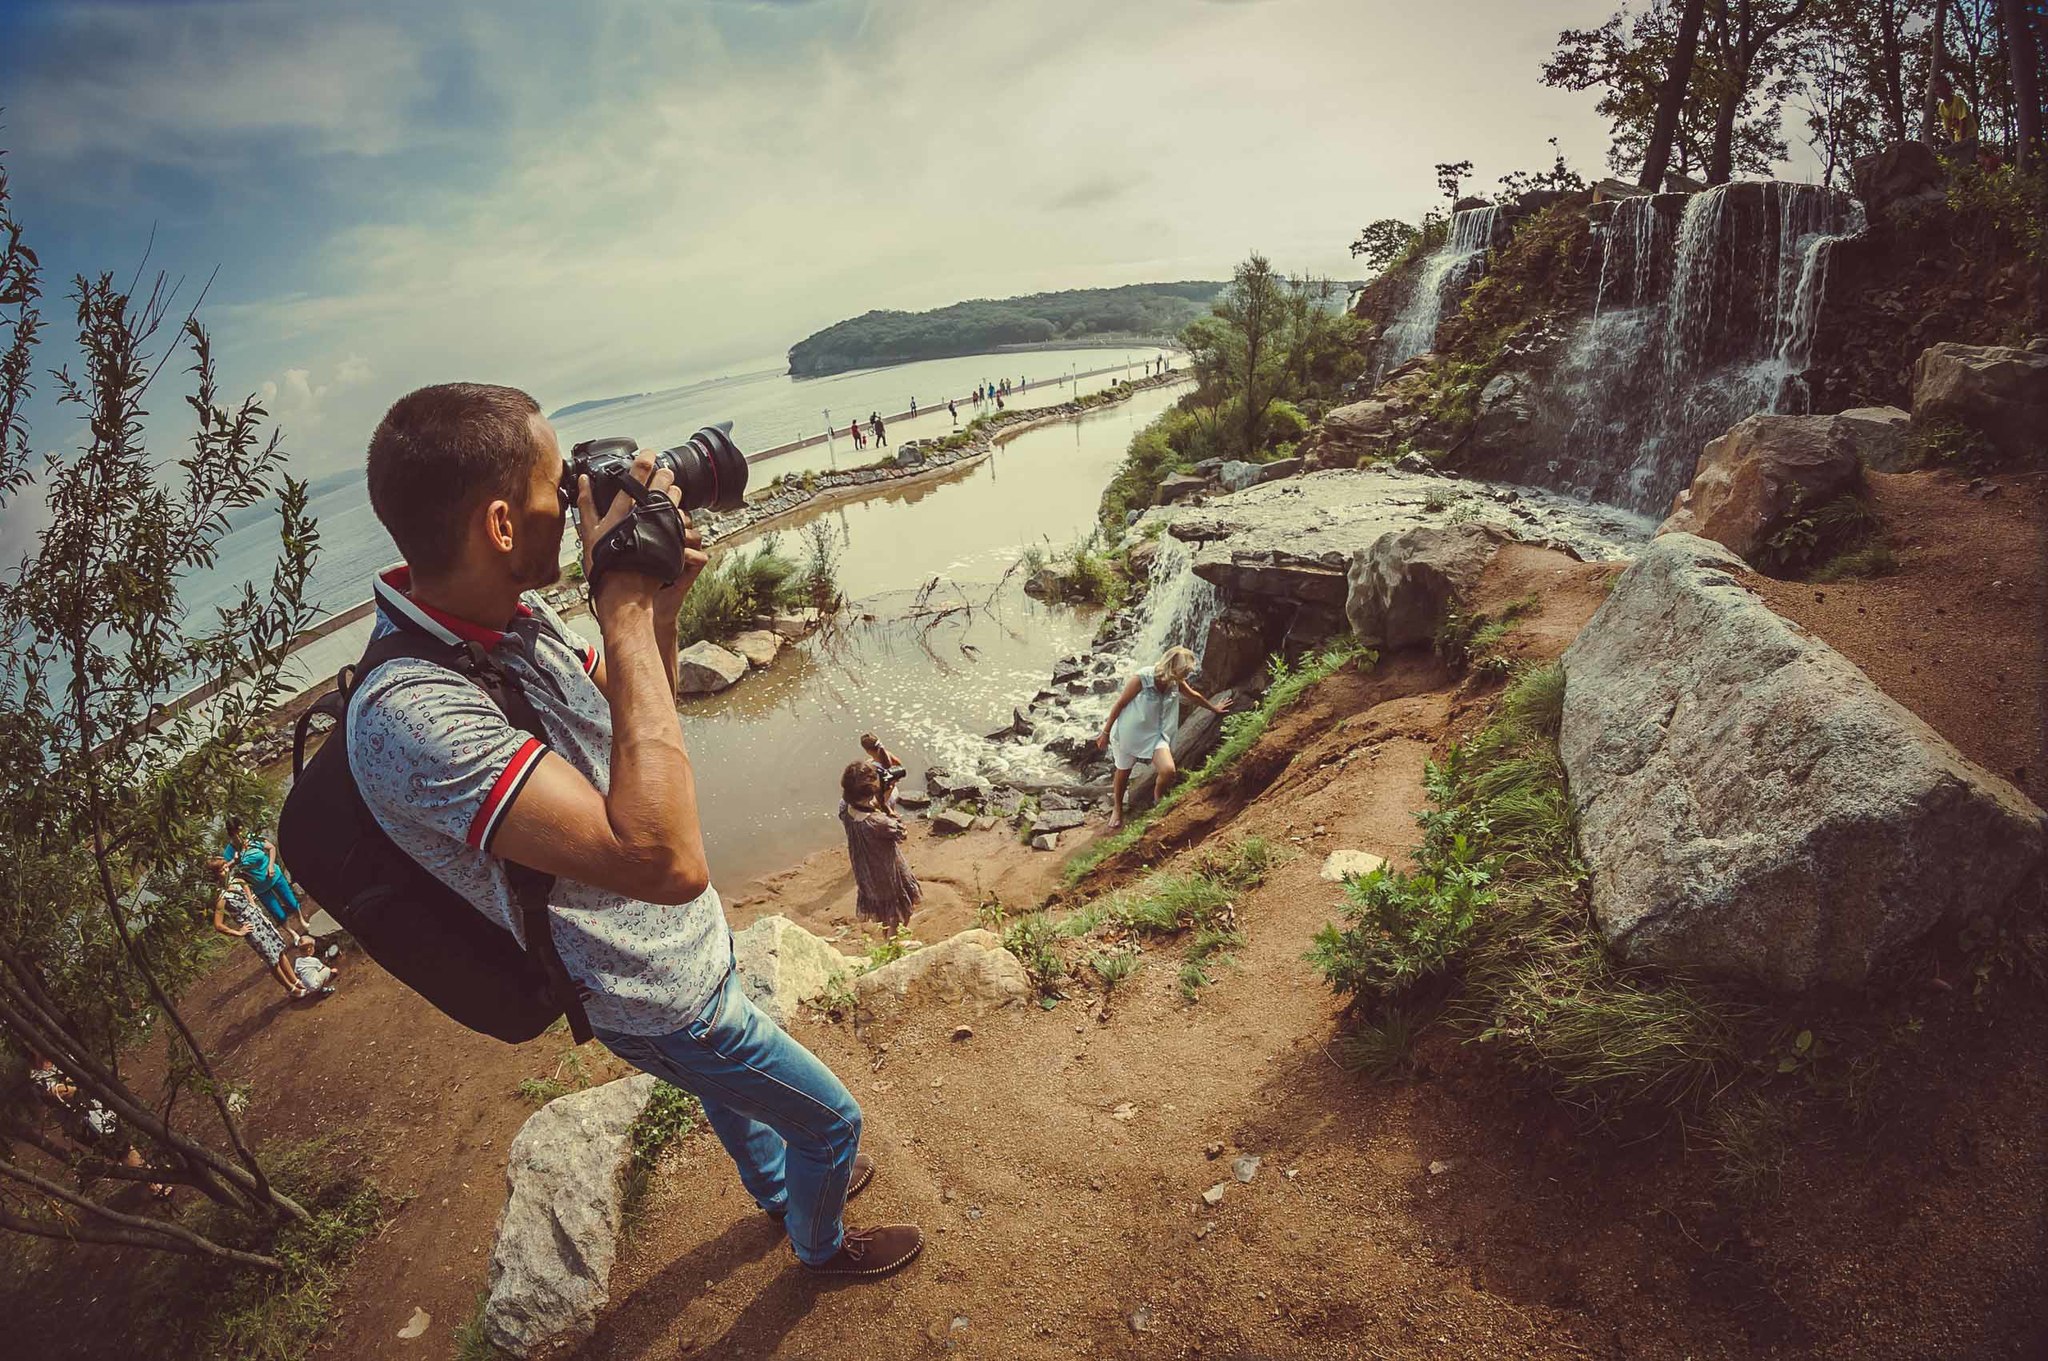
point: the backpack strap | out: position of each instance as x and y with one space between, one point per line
530 888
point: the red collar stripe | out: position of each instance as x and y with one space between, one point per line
393 589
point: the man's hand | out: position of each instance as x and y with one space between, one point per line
590 528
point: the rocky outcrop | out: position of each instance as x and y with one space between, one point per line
1899 176
971 969
1999 392
1762 473
1235 647
1402 587
1361 430
705 668
781 966
560 1228
1751 804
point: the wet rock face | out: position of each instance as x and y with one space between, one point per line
1235 647
1403 586
1751 804
1761 474
559 1231
1999 392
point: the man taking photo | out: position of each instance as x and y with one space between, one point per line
465 478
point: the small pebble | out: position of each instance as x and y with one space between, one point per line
1213 1152
1214 1195
1245 1167
1439 1166
963 1032
1204 1229
1141 1320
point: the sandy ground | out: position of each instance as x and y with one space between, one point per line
1057 1160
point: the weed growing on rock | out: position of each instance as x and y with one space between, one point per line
1494 928
1473 642
670 1114
1032 939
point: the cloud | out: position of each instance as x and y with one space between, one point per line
212 85
653 190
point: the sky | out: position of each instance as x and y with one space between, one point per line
589 199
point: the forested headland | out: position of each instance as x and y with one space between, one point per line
983 324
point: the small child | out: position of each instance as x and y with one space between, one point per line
316 976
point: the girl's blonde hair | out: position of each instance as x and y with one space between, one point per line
1176 666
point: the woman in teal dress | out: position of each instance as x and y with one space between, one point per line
255 860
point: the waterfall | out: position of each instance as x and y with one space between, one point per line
1705 313
1443 280
1177 609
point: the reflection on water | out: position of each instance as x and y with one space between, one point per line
937 646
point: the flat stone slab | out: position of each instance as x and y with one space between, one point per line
1058 819
1341 865
758 646
704 668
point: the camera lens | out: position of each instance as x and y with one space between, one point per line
710 469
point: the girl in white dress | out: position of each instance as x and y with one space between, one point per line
1141 724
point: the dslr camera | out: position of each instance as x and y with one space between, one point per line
892 774
709 469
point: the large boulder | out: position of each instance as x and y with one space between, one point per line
704 668
1353 432
1511 417
971 969
1179 487
1750 803
782 966
1995 390
1879 436
1759 475
559 1231
1900 175
758 646
1402 587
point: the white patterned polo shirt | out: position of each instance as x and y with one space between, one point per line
438 765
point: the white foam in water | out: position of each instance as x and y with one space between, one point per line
1442 282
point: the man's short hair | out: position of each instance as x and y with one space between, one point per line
439 449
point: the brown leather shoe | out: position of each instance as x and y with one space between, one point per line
863 1173
873 1252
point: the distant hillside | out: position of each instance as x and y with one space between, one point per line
982 325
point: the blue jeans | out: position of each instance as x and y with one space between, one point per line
790 1125
277 896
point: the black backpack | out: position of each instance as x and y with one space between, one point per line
424 933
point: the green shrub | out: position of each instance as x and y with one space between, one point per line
1871 560
1835 527
735 588
1032 939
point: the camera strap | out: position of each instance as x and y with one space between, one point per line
649 541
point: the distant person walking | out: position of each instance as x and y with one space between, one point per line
854 430
878 430
913 406
886 890
953 410
1141 725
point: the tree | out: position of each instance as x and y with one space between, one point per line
1254 307
1450 177
1671 98
1748 42
108 798
1383 242
2022 43
1627 59
1937 50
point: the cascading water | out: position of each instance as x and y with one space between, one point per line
1177 610
1706 313
1445 275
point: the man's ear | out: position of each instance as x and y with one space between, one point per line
498 519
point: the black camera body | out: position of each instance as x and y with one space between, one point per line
891 775
708 467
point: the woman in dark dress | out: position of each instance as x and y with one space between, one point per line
874 842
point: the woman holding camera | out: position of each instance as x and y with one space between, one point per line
887 891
